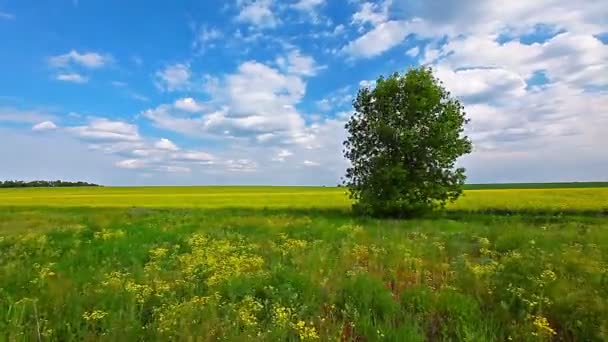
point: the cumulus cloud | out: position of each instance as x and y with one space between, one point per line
131 164
166 144
337 100
44 126
380 39
298 64
72 77
240 165
566 57
307 5
310 163
372 13
482 84
205 37
255 100
8 114
281 155
258 13
90 60
413 52
174 77
188 104
101 129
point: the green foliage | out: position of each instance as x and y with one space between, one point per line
43 184
268 275
404 139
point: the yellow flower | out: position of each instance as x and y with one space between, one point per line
94 316
306 332
483 242
282 315
248 310
542 324
548 276
159 252
106 234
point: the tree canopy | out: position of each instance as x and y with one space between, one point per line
403 142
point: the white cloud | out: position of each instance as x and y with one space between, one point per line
205 37
258 13
72 77
413 52
90 60
307 5
44 126
336 100
240 165
380 39
188 104
176 169
166 145
566 57
102 129
310 163
372 13
194 156
298 64
473 17
484 83
281 155
367 83
131 164
174 77
8 114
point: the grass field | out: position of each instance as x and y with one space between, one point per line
272 263
540 199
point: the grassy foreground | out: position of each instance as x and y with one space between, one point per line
300 269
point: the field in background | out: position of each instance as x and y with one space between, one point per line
562 185
502 200
272 263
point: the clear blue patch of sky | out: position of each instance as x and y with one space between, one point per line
538 78
603 37
539 34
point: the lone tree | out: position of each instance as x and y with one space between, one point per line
404 139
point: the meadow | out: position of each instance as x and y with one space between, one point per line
291 263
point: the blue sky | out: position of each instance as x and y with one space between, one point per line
258 91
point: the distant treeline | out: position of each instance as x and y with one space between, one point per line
42 184
536 185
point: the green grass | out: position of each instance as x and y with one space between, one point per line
263 263
557 200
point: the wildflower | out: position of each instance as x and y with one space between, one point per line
548 276
94 316
140 291
542 324
483 242
106 234
282 315
159 252
248 310
306 332
293 245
